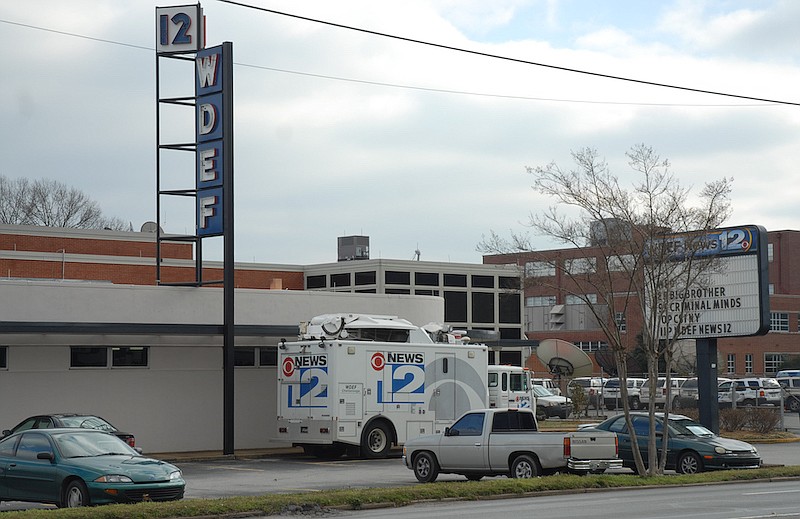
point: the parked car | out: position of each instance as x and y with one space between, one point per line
791 392
689 394
84 421
592 387
611 393
692 447
661 391
549 405
751 391
72 467
547 383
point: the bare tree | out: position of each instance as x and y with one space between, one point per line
624 244
51 203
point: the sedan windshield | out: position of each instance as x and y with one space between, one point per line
689 428
81 444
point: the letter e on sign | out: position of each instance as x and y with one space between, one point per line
180 29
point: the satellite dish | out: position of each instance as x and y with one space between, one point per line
151 227
564 358
605 358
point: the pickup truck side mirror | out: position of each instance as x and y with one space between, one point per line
451 432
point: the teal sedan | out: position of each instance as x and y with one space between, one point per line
692 447
77 467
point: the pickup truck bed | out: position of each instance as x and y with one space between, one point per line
492 442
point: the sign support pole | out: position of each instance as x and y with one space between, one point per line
707 383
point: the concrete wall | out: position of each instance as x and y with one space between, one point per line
174 404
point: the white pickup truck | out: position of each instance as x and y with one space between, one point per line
493 442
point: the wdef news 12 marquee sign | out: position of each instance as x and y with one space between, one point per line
181 30
733 299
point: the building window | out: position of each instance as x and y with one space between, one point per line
117 357
268 356
619 318
365 278
482 307
572 299
772 362
88 357
621 263
3 357
778 322
340 280
590 346
482 281
426 292
581 265
393 277
510 312
244 357
510 283
455 307
771 289
731 363
748 363
397 291
538 269
455 280
316 282
540 301
769 252
124 357
428 279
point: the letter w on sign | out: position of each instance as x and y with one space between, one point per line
207 70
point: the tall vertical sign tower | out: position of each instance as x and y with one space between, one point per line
180 36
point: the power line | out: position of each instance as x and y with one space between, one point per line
411 87
506 58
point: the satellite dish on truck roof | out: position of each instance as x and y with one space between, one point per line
564 358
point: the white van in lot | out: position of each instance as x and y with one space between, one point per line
661 392
611 393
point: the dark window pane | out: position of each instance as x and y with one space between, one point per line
244 356
88 357
122 357
397 291
482 307
316 281
268 356
455 280
365 278
394 277
510 312
367 291
426 292
510 283
430 279
3 357
512 358
483 281
455 307
511 333
340 280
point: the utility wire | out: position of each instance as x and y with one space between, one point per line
506 58
409 87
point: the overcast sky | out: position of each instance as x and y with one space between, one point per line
339 132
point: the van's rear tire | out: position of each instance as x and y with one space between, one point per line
376 441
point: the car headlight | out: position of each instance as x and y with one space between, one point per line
176 475
721 450
113 478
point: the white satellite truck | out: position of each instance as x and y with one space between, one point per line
368 382
510 387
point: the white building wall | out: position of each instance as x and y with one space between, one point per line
175 404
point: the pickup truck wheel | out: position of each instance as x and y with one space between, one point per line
524 467
376 441
635 404
426 469
689 463
794 405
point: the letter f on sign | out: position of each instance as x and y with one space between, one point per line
207 210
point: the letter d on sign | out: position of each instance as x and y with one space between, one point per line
206 119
